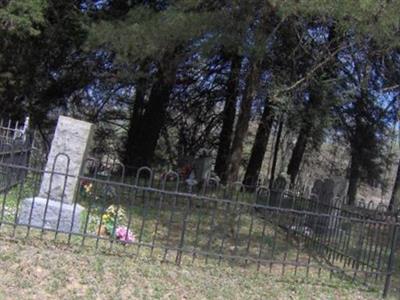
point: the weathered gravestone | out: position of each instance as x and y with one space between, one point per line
329 191
277 191
340 189
327 199
307 191
54 207
317 188
338 186
202 168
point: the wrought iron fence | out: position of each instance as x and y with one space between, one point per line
15 149
161 216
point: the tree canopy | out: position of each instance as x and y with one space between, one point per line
266 86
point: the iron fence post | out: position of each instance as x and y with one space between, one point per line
179 251
391 261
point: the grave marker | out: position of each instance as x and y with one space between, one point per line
277 191
327 193
54 207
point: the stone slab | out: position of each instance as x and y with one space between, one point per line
329 195
277 196
68 151
202 168
32 212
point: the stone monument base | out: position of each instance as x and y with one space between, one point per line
33 209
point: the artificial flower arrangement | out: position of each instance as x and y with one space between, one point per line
113 216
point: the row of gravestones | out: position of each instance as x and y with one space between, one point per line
54 207
327 191
324 200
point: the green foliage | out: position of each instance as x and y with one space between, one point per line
376 19
35 59
144 33
19 20
187 46
23 17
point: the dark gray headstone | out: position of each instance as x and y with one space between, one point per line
340 189
202 168
325 195
280 183
317 187
277 191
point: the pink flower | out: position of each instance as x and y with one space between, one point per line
125 235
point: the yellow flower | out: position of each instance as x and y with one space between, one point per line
107 218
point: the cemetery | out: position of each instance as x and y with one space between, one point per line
74 200
199 149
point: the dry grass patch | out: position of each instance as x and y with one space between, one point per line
34 269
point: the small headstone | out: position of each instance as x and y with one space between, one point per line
202 168
54 207
307 191
339 192
317 187
202 165
277 191
340 189
280 183
326 194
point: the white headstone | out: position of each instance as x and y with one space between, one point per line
54 207
67 153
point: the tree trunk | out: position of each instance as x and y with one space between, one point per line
135 123
259 147
228 119
354 178
395 198
311 111
298 153
242 124
145 136
276 150
357 146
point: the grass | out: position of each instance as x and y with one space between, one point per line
33 269
219 232
204 232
